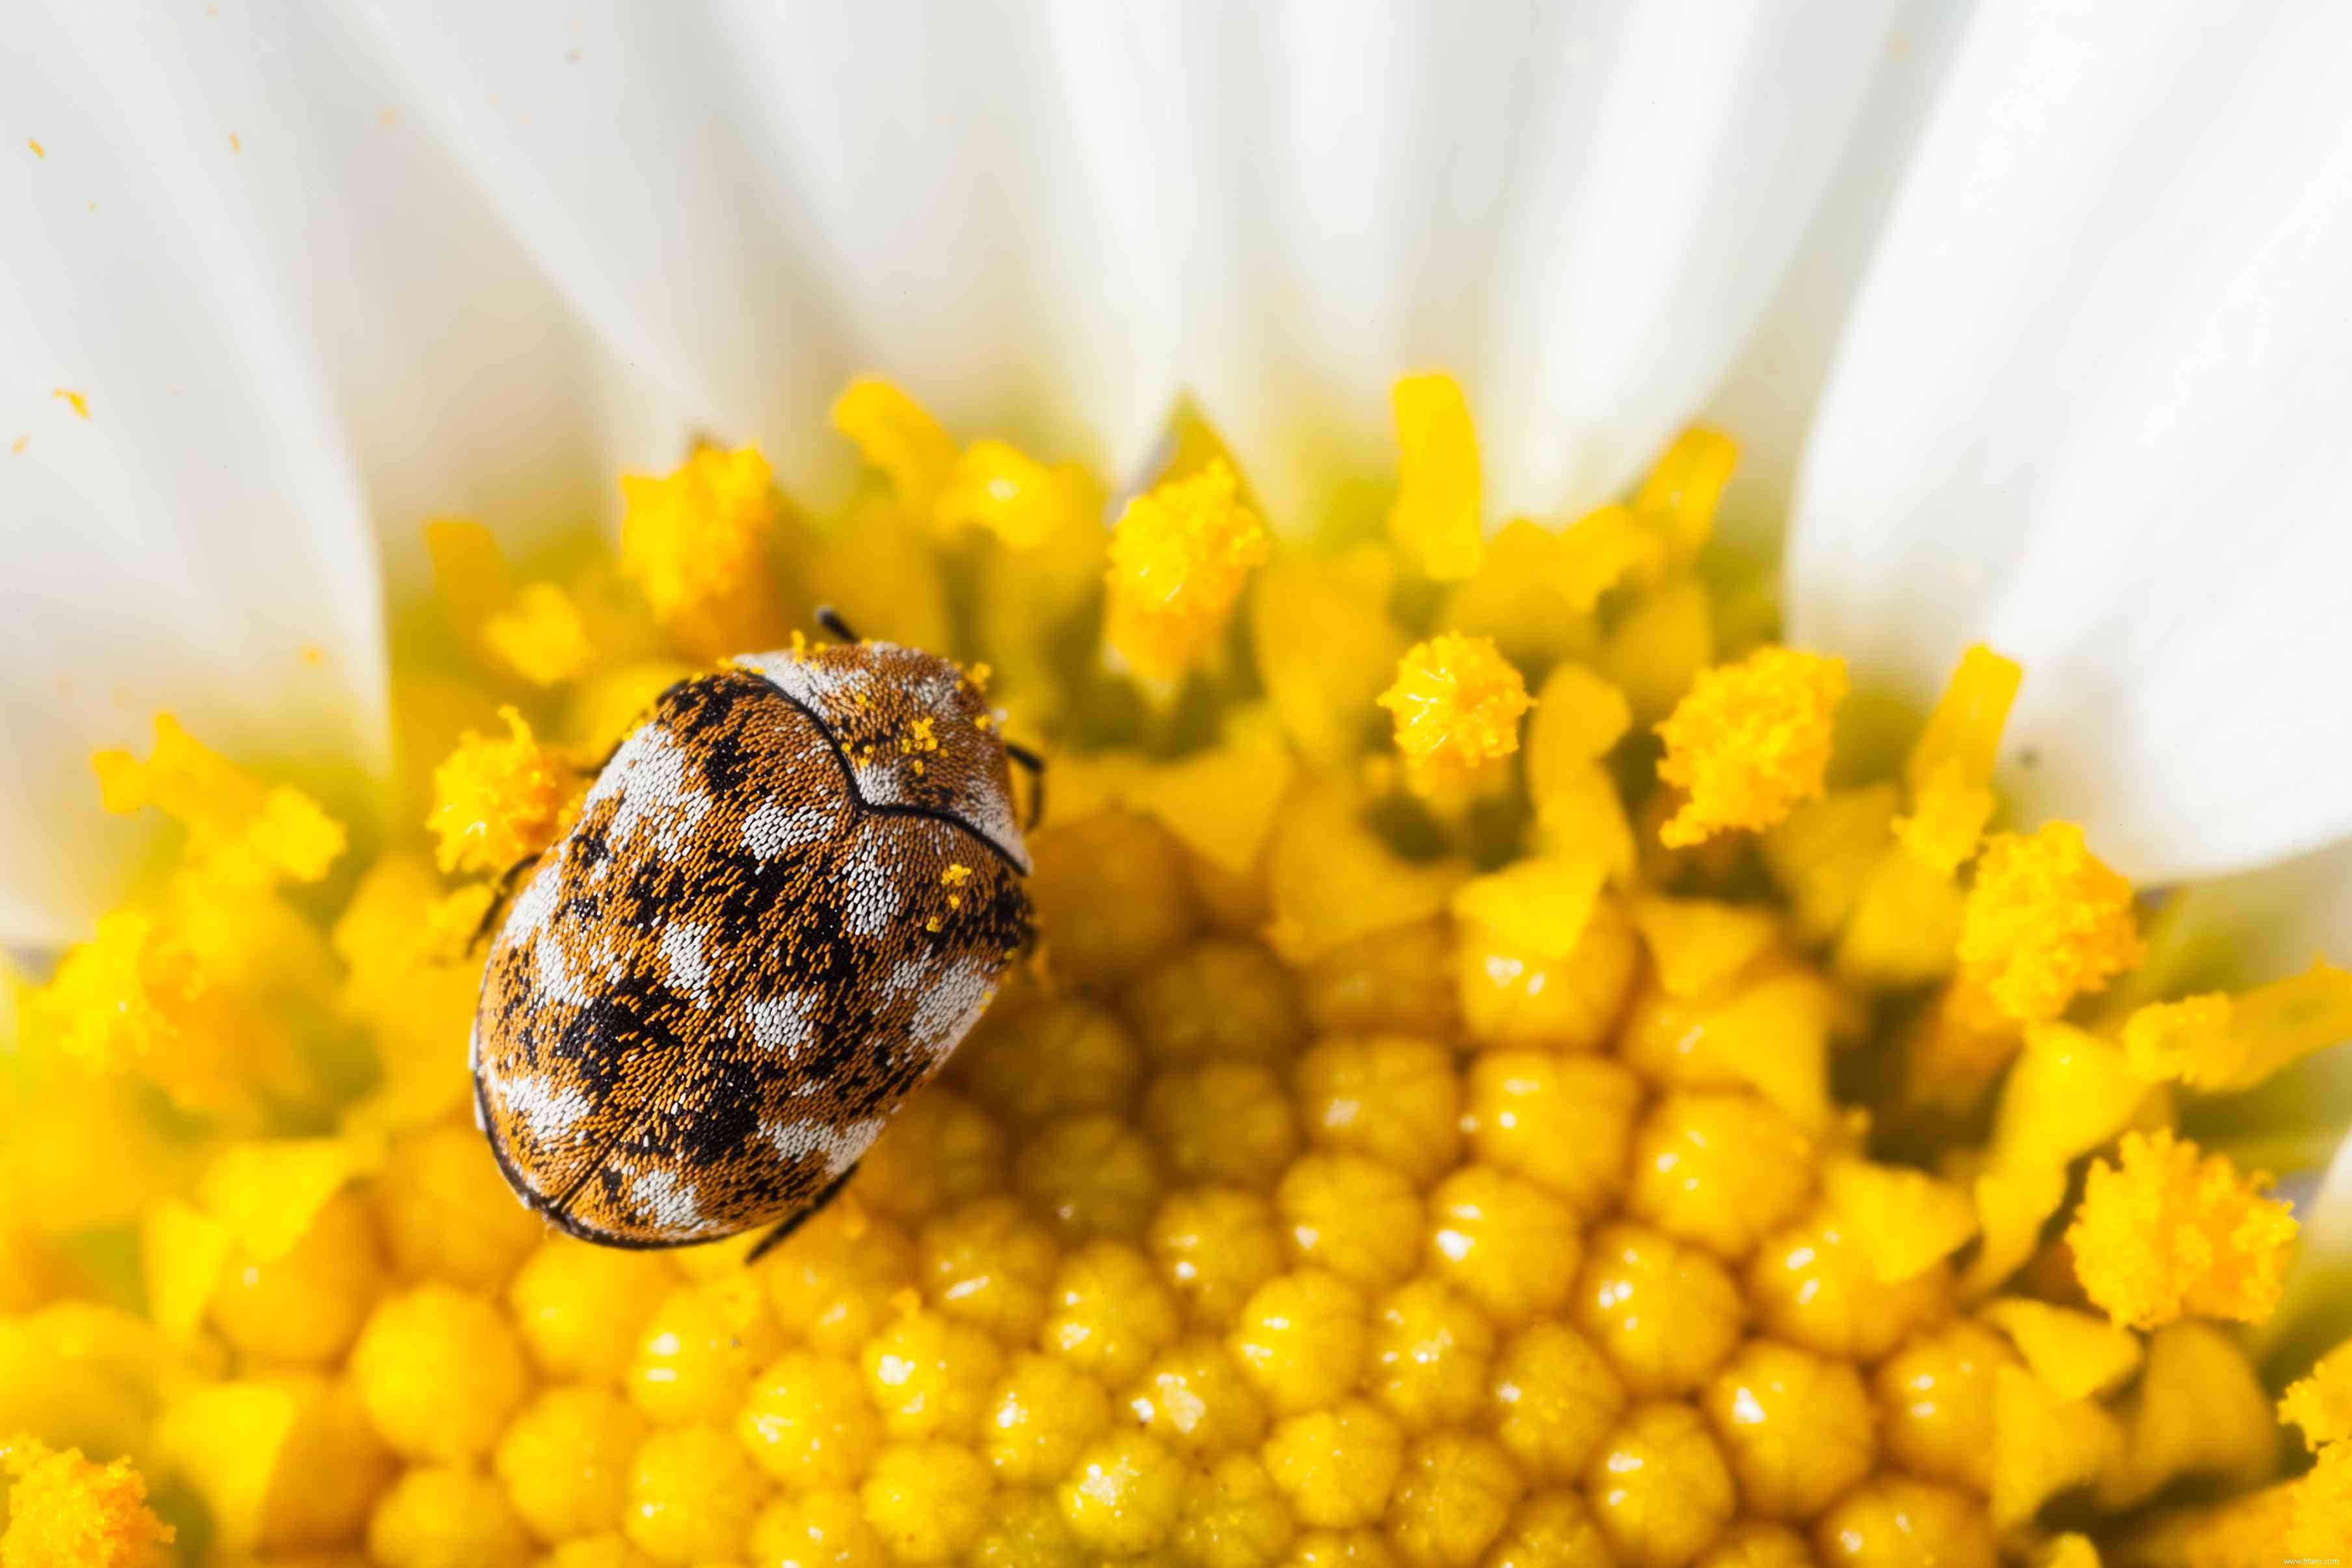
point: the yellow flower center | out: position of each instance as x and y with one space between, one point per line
1645 1153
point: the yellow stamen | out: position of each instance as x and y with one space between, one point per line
542 634
2321 1404
64 1509
1178 560
2322 1519
1679 496
2075 1355
1457 703
2046 922
237 824
997 485
1905 1222
2044 1445
1436 520
1949 774
897 435
1749 742
1543 905
134 999
2165 1232
1598 551
2223 1044
495 801
697 541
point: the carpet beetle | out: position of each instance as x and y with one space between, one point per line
786 897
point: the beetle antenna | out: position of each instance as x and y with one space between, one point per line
830 619
1036 768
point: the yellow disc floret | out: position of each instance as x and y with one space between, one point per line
496 802
697 540
1457 703
2046 922
238 827
62 1508
1384 1159
541 635
2321 1404
897 435
1178 560
2166 1230
1436 521
1749 742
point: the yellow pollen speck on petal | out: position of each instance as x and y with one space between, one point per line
2321 1404
1679 495
1949 773
695 540
1437 518
1457 703
496 801
75 401
36 146
541 635
1750 742
237 824
1179 558
897 435
2165 1231
64 1509
997 485
2046 922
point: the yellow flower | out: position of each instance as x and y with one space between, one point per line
1588 1167
64 1509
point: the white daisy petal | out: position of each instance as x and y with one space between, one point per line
1581 210
1048 219
294 319
2089 407
183 545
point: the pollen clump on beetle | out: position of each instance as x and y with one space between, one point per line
1486 1095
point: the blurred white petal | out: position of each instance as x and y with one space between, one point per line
1767 398
1046 219
2090 407
294 321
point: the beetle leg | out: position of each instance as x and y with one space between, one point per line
498 899
776 1237
1035 765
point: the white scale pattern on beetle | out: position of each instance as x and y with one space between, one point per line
819 686
838 1146
650 775
780 1024
872 896
668 1201
689 969
550 1110
771 828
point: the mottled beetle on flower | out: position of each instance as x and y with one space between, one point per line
789 893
